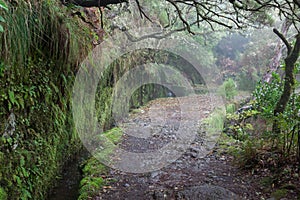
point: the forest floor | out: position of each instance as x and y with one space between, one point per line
201 172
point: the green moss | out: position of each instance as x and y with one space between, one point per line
280 193
92 181
114 135
93 169
267 181
93 166
41 47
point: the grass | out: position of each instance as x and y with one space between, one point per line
215 121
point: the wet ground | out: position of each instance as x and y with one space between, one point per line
199 172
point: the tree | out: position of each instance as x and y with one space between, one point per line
293 53
234 14
229 14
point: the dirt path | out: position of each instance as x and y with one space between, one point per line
199 173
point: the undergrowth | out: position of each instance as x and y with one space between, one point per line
257 147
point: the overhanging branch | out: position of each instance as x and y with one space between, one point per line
281 36
94 3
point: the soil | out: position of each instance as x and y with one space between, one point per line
202 171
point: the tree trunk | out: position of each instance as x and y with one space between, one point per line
289 80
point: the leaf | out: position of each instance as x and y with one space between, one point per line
3 5
22 161
2 19
1 28
11 96
21 103
25 194
17 179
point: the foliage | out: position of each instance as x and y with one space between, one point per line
238 125
40 49
267 95
93 181
247 155
228 89
251 127
230 108
3 6
3 195
94 171
247 79
215 121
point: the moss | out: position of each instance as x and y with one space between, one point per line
40 51
93 166
92 182
267 181
113 135
93 169
280 193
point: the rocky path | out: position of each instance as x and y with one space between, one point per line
200 172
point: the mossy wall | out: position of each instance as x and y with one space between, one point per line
41 47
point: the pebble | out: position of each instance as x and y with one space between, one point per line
194 154
154 174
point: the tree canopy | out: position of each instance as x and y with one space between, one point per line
233 14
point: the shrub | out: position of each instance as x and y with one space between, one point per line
228 89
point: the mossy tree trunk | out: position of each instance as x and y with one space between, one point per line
289 80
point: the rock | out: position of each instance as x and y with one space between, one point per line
154 174
194 149
222 158
194 154
159 195
206 192
126 185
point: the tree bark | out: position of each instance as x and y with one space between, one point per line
94 3
289 80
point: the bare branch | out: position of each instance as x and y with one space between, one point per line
281 36
94 3
142 13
